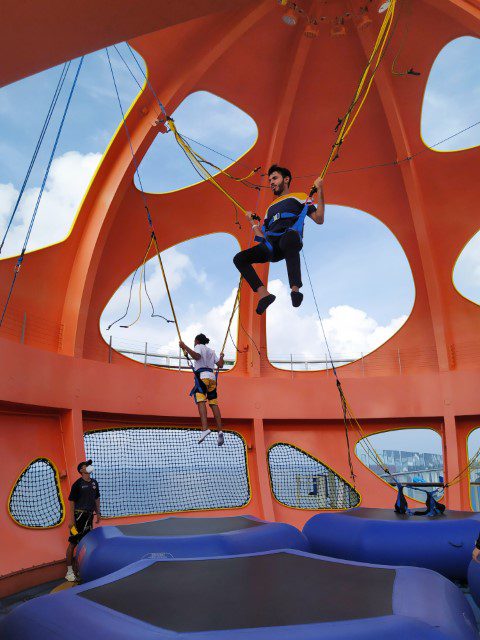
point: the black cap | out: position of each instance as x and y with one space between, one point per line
80 464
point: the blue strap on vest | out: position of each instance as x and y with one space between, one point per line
296 226
199 387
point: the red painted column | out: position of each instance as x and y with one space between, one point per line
72 439
262 467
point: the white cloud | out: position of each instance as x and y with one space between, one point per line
349 331
66 184
178 268
8 197
162 337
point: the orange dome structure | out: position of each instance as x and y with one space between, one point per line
59 379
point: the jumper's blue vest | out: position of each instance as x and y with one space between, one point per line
296 226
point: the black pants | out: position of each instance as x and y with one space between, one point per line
286 247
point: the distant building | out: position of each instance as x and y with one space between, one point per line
408 466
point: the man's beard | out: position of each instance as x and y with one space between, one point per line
279 190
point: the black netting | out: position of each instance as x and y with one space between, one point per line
143 470
35 499
301 481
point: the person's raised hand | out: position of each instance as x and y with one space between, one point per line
476 554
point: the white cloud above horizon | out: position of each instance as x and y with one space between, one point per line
350 332
66 184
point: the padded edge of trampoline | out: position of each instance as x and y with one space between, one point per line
34 619
441 545
105 550
474 580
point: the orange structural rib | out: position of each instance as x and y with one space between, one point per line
58 377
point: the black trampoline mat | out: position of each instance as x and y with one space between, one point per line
389 514
246 592
187 526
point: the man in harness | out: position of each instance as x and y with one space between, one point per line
280 237
205 389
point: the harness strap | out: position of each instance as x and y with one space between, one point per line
297 226
199 386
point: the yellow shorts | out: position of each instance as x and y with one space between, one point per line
211 392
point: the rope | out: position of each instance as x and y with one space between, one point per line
236 304
196 161
40 194
344 125
335 172
200 158
349 419
131 287
43 131
147 80
192 156
408 72
461 475
144 198
142 277
219 153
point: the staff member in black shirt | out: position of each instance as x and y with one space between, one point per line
84 501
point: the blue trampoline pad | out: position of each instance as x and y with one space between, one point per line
109 548
272 595
474 580
442 543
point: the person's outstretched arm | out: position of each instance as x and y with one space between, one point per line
318 216
191 352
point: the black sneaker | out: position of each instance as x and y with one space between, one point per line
265 302
297 298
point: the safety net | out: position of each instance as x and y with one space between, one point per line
299 480
143 470
35 500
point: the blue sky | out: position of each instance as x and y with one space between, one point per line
362 279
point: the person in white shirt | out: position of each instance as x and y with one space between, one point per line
205 389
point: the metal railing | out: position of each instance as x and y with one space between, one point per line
44 333
169 361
